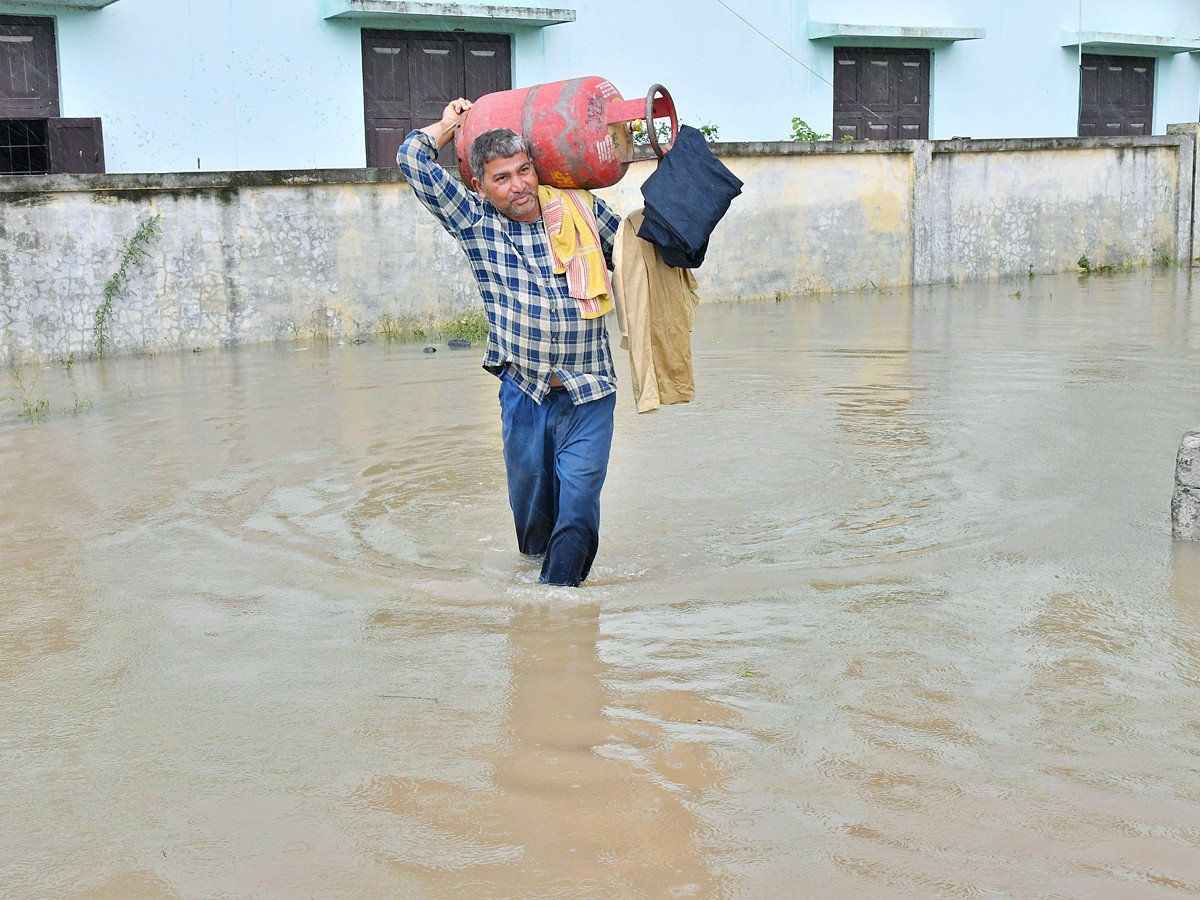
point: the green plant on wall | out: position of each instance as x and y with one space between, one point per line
662 130
801 131
135 249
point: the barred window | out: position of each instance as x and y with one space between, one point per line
24 147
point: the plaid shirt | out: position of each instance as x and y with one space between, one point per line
535 326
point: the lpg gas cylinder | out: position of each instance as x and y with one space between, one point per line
578 130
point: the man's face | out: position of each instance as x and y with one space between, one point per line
511 184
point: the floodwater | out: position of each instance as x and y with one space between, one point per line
891 610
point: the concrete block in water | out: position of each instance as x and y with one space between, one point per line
1185 503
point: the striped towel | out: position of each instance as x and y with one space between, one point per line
575 245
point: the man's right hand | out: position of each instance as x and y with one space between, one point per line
442 131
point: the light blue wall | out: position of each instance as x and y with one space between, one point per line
717 68
1021 81
271 84
236 85
1017 82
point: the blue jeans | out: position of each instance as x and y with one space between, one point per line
556 456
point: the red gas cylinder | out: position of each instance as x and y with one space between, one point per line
578 130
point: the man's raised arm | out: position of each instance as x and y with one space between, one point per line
441 193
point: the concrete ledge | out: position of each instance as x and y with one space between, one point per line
1113 42
801 148
910 35
56 5
30 185
25 186
1016 145
427 15
1174 138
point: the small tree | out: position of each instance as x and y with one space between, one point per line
802 131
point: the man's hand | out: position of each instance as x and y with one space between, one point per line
442 131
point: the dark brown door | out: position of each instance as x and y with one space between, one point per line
76 146
28 68
1116 95
880 94
410 76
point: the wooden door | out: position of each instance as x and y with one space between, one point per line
410 76
76 146
880 94
28 67
1116 96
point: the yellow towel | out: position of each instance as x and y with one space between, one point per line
575 244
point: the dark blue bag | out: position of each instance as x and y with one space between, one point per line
686 197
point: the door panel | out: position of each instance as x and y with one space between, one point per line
1141 90
28 67
910 129
876 88
385 79
486 64
76 146
1090 86
437 76
387 135
845 75
910 78
879 131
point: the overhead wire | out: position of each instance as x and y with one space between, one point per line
789 55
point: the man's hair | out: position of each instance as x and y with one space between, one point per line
499 143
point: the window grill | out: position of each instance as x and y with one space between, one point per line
24 147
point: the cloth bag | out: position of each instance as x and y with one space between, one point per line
686 196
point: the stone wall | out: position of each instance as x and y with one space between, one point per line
267 255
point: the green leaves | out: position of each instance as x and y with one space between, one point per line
802 132
135 249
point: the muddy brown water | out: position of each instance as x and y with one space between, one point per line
892 610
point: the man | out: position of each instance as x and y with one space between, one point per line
557 382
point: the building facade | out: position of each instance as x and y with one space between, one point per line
187 85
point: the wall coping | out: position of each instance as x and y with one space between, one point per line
953 145
26 188
193 181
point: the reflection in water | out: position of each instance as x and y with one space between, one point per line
891 610
567 807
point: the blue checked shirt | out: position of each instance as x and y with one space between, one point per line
535 327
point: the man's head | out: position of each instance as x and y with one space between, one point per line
503 172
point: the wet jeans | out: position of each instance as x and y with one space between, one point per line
556 456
